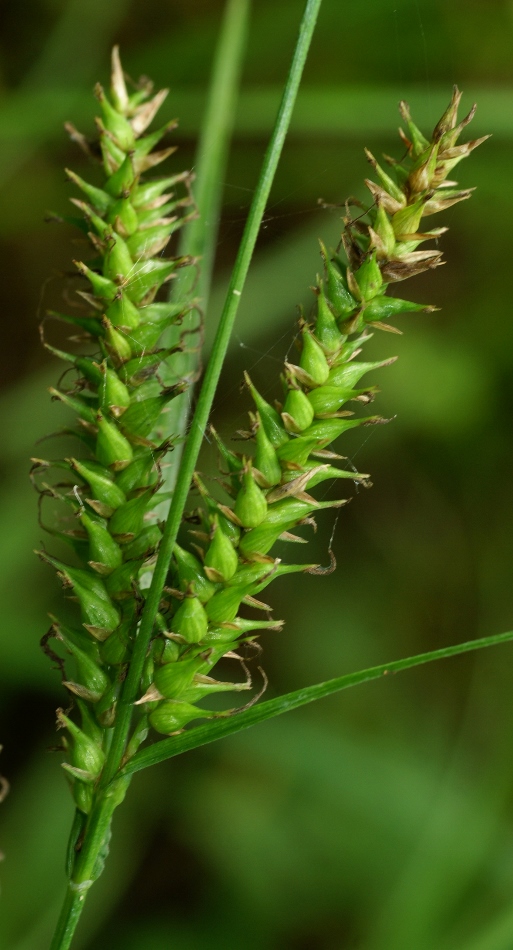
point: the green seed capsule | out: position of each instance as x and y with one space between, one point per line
251 574
148 276
266 458
123 216
114 650
102 547
233 462
384 307
103 230
190 620
341 300
97 609
369 278
117 342
224 606
137 474
313 360
328 399
250 504
231 530
282 516
121 180
297 411
102 486
105 710
148 242
123 313
326 329
89 673
139 735
128 519
145 145
85 753
145 544
148 191
80 638
147 673
102 287
89 725
248 626
268 416
384 230
297 450
171 716
171 652
118 260
78 405
112 392
112 449
348 374
327 430
407 220
120 583
190 572
221 556
99 198
173 679
115 122
143 414
260 540
83 796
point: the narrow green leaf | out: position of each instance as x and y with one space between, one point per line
202 735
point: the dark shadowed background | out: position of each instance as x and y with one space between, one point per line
381 819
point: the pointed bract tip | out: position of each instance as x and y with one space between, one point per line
118 86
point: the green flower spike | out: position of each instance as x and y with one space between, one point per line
112 485
229 555
270 492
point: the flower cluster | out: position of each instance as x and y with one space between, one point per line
111 487
268 488
228 559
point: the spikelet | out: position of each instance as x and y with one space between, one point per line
111 493
269 488
111 487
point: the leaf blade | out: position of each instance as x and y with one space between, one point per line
203 735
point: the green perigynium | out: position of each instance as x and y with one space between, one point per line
111 485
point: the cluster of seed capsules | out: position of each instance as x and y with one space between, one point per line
229 560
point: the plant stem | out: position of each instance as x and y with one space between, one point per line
206 397
69 917
89 860
202 735
199 237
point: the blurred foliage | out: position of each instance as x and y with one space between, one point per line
383 819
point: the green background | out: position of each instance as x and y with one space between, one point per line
381 819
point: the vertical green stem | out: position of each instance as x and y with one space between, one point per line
89 861
199 237
206 397
69 917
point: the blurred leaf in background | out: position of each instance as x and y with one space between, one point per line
382 819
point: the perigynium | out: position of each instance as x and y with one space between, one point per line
106 496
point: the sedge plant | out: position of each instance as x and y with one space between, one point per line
151 613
